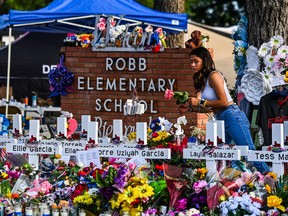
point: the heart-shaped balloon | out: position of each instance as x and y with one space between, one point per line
72 126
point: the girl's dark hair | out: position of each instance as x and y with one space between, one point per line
208 66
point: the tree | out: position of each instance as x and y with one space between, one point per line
23 5
266 19
216 12
172 6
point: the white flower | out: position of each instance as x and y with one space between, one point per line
254 85
252 58
264 50
182 120
276 41
269 60
282 51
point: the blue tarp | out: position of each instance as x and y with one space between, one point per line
50 18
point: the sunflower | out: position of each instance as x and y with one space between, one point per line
129 194
145 191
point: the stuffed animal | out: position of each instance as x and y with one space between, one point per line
85 40
195 40
137 32
149 29
162 37
155 42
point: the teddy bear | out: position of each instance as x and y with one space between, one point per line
195 41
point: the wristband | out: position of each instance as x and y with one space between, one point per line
202 103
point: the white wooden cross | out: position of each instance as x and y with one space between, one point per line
17 123
277 158
215 154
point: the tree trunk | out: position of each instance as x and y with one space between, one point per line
172 6
266 19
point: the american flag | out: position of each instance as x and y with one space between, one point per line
115 213
3 154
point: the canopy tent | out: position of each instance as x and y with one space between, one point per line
69 15
78 16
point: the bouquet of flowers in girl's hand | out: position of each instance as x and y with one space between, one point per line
182 97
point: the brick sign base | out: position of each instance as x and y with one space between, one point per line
104 81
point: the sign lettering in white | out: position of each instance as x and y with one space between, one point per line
22 149
217 154
158 153
268 156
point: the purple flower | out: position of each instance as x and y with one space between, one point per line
181 204
107 192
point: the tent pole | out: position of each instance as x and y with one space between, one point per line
8 71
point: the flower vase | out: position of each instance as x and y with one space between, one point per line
204 43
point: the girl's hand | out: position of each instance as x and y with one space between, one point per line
194 101
183 108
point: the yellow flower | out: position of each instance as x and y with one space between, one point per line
4 175
132 136
138 180
57 156
114 203
145 190
125 207
268 188
273 175
222 198
275 201
129 194
136 211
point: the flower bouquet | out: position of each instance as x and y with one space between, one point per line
181 97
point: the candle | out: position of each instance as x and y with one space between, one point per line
62 125
18 210
28 211
163 210
34 129
46 212
84 122
118 129
55 212
92 131
82 212
141 132
17 123
64 212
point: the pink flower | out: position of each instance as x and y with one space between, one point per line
168 94
199 186
101 26
245 177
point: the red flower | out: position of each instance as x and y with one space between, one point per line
159 167
154 134
79 189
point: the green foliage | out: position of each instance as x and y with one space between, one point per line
23 5
209 12
147 3
281 189
216 12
